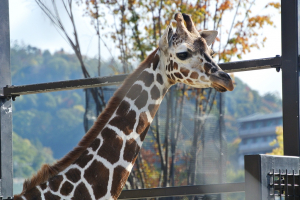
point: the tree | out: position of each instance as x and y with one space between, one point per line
27 157
278 141
96 94
136 28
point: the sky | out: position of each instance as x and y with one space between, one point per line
30 26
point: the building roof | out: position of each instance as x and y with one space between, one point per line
260 116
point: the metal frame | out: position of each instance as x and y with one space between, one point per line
272 177
6 174
13 91
290 85
290 75
183 191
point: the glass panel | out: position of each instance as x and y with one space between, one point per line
197 136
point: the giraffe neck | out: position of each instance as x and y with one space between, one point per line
101 171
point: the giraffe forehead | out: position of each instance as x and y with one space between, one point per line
181 48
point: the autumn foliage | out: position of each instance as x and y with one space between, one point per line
135 28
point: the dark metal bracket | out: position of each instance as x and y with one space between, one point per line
7 97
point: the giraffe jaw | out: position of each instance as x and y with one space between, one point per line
218 87
221 83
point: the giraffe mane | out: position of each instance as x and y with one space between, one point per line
47 171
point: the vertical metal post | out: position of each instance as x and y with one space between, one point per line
290 76
5 105
252 177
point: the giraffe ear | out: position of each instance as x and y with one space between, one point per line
209 36
166 39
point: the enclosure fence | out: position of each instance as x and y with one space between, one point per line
288 62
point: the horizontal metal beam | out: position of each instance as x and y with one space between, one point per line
183 191
9 91
255 64
12 91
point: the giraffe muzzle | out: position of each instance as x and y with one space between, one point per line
221 81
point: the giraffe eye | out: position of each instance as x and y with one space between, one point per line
182 55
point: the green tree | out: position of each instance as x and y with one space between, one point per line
27 157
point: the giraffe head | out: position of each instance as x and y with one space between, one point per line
188 58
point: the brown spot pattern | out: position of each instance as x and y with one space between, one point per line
119 178
170 66
123 108
66 188
178 75
95 144
55 182
125 122
143 122
49 195
184 71
34 193
131 150
175 65
112 144
73 175
144 133
155 93
207 67
147 78
155 61
173 77
43 186
153 109
97 176
189 81
81 193
159 79
134 92
141 101
194 75
84 159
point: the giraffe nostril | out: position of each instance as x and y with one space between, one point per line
224 75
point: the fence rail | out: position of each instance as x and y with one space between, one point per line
13 91
183 191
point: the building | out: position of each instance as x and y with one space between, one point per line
256 132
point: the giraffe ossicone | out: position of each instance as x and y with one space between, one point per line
100 165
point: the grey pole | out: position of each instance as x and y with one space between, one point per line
290 76
5 105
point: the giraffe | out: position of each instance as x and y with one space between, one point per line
100 164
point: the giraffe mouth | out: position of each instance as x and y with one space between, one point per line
221 82
219 87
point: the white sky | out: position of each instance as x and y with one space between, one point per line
29 25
